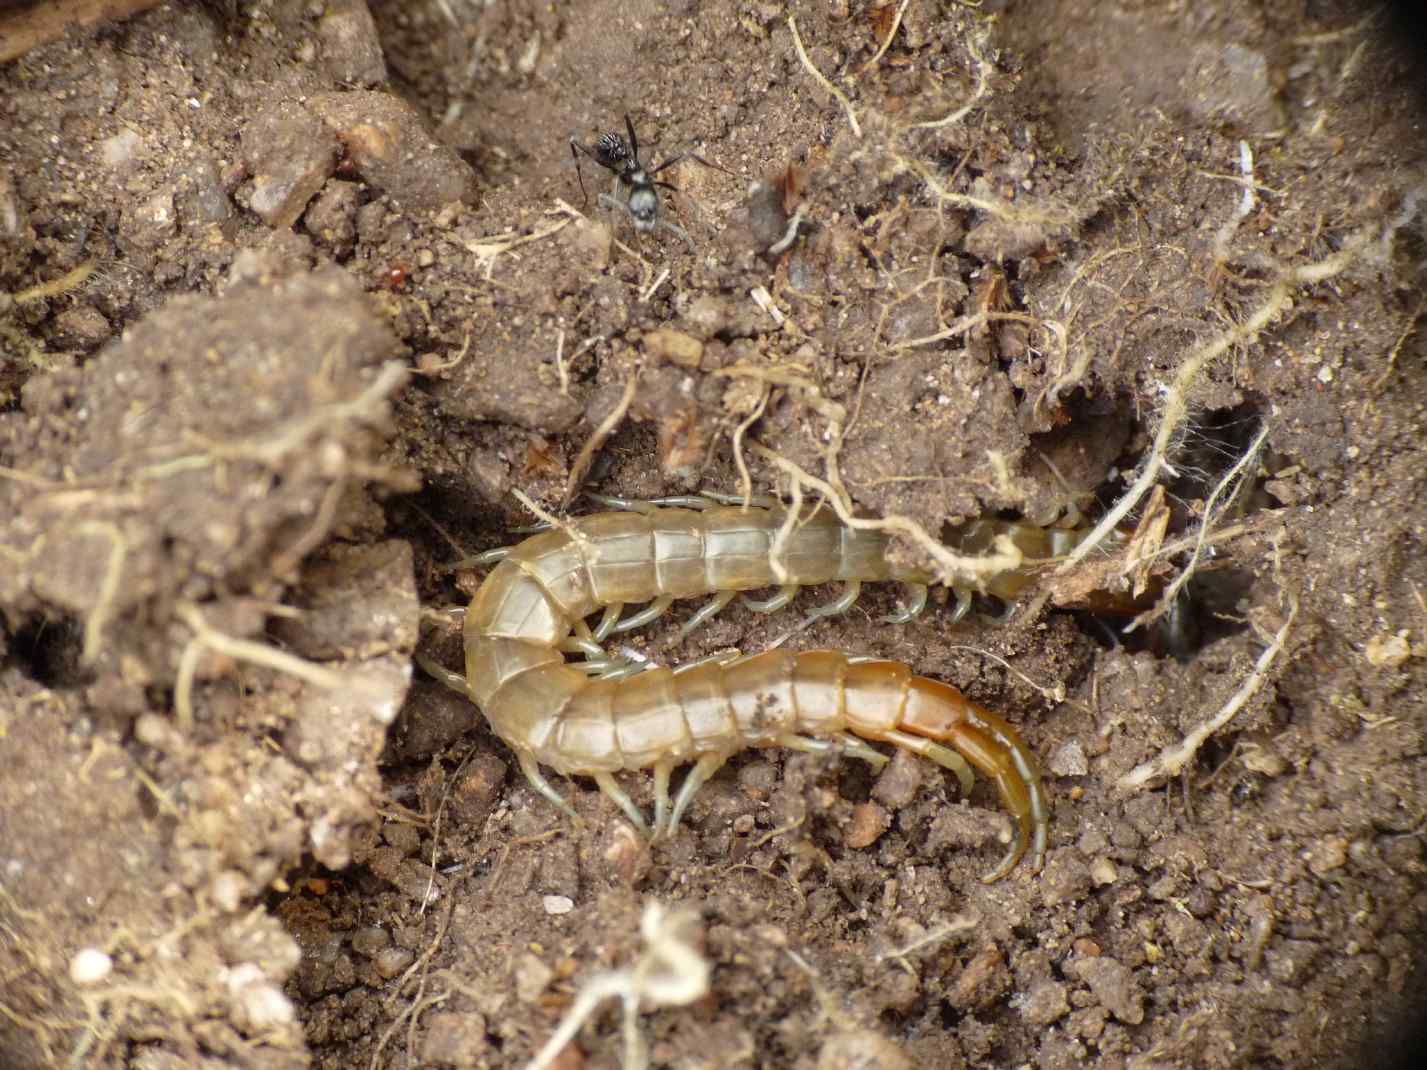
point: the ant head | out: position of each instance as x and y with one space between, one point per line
612 151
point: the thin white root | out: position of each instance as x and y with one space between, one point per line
1231 480
887 41
1176 398
669 973
821 79
1172 759
983 82
959 924
206 636
108 587
952 568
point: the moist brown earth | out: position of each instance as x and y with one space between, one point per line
296 297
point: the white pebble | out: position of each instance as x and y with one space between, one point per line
90 966
558 904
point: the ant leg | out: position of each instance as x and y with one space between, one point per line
688 156
584 196
633 141
679 231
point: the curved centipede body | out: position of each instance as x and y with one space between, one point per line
531 608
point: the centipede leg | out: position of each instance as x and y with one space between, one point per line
662 772
454 680
943 756
785 594
837 606
481 560
704 768
1008 611
650 613
913 609
537 781
963 604
705 613
756 501
617 795
607 621
844 744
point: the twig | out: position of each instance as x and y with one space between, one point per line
818 77
1401 341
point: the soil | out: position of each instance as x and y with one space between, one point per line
296 297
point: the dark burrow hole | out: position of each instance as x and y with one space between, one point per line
1210 605
49 649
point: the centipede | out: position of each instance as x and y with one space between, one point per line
600 714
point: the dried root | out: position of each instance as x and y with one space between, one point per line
670 972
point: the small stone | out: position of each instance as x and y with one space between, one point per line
121 152
626 853
1103 872
1264 761
984 981
475 793
332 217
389 145
557 904
290 153
452 1039
83 327
151 222
1327 855
257 1002
393 961
90 966
861 1049
532 977
1066 878
351 50
228 890
370 940
1046 1002
1069 760
1388 651
898 783
1113 986
869 821
676 347
14 223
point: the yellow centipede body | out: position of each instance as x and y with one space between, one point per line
532 607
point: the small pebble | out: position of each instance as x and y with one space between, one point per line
869 821
90 966
558 904
393 961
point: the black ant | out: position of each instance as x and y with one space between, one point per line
621 158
